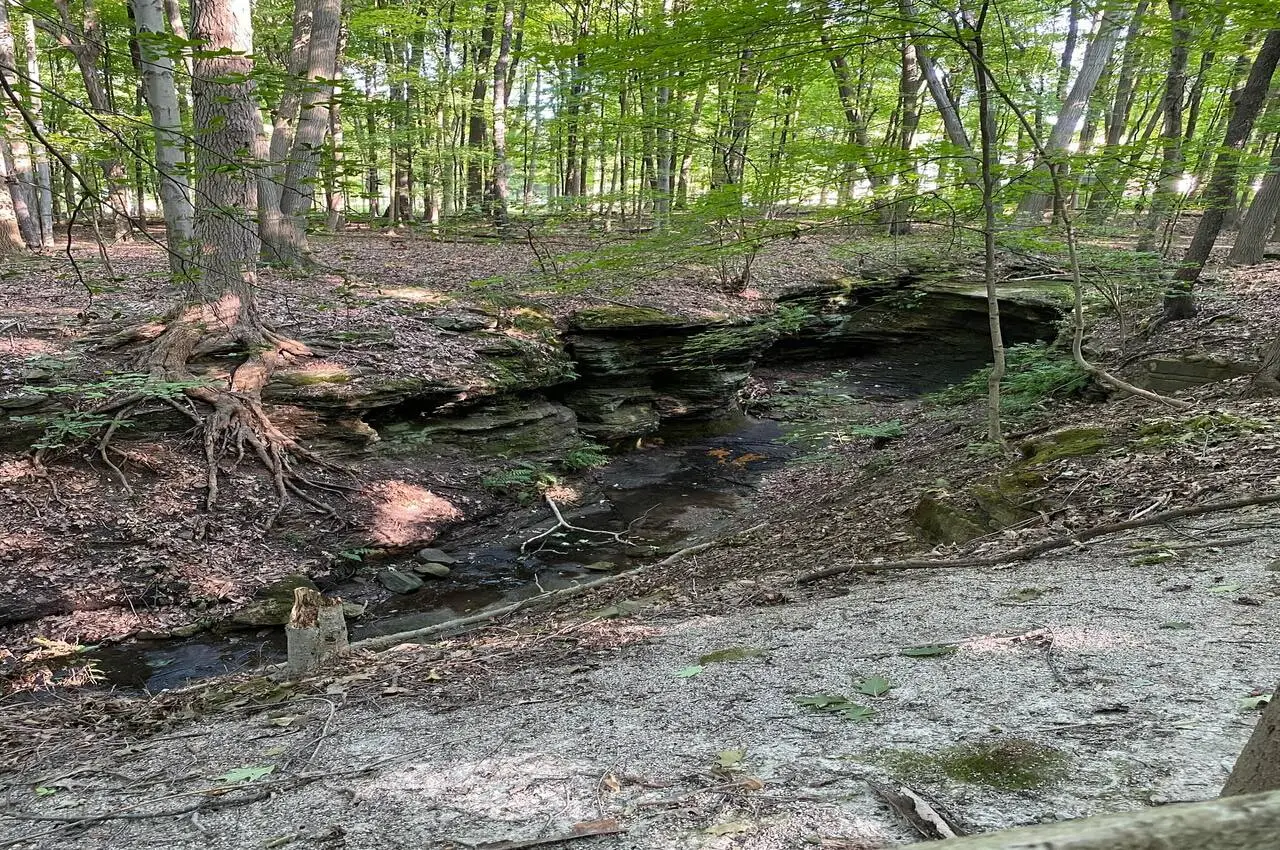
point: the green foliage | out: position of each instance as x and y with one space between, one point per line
586 456
836 704
891 430
524 479
745 340
88 409
1007 764
1035 374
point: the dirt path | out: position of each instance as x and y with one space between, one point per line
1091 681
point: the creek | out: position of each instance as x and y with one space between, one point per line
661 498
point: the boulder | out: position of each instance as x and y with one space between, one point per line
399 582
433 570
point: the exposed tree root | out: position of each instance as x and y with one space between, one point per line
1025 553
229 414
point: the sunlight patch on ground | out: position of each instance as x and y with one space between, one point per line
26 346
520 788
420 295
405 514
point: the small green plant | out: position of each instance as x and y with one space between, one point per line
1204 429
1035 373
586 456
523 479
891 430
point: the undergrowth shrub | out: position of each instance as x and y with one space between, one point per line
1034 374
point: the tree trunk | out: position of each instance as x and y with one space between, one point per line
1175 84
1108 191
44 175
1259 221
501 171
17 152
85 42
1100 48
11 241
478 126
303 164
947 110
1179 303
161 94
1258 766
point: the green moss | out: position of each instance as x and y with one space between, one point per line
600 318
1071 442
1007 764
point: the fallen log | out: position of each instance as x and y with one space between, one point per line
1250 822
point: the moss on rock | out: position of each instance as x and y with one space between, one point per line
1007 764
1070 442
604 318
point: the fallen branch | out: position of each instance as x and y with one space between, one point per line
553 596
1024 553
618 536
1251 822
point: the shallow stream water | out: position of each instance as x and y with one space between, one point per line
660 499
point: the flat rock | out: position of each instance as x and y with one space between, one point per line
399 582
436 556
433 570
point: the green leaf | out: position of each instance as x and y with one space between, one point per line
874 686
249 773
836 704
1176 625
45 791
1253 703
929 650
689 672
857 712
730 758
736 653
1224 588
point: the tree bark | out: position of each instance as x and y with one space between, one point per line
501 170
1239 823
1179 303
1259 221
1257 768
17 152
298 192
1100 48
44 174
478 126
161 94
1166 189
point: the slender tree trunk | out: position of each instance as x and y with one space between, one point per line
1179 303
1166 190
987 135
44 176
335 193
161 94
298 191
478 128
11 241
1100 47
17 151
501 175
942 100
1108 190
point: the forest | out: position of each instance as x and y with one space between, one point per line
515 423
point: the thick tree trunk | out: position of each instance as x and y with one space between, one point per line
1257 768
11 241
501 170
161 94
1260 220
1179 303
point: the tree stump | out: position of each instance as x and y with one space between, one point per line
316 631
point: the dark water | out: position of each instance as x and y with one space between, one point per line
660 499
